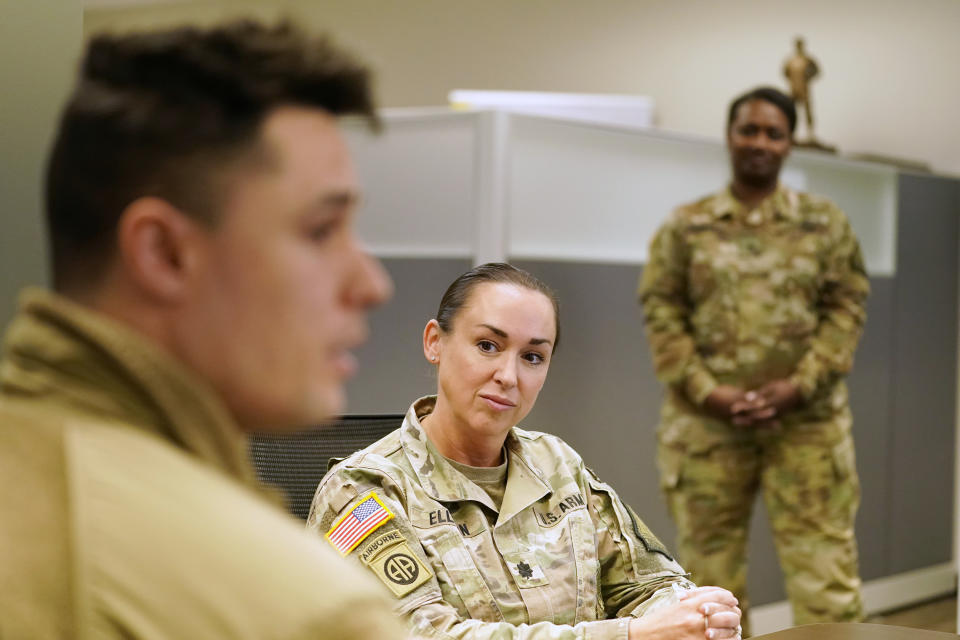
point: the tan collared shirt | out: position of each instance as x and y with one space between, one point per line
128 508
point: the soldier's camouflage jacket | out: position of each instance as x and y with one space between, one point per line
741 297
563 558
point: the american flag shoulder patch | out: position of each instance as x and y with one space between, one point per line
362 519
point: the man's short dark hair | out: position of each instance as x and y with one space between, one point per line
161 113
774 96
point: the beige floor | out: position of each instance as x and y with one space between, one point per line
937 615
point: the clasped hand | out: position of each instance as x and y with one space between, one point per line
753 408
704 613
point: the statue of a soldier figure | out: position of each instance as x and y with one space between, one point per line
800 69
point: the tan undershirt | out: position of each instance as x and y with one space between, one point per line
493 480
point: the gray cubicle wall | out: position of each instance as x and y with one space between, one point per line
603 398
924 369
393 372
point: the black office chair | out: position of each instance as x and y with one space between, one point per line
295 462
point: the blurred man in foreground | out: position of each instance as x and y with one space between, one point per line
207 283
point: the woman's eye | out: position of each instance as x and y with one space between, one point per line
534 358
486 346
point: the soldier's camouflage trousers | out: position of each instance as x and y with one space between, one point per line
811 492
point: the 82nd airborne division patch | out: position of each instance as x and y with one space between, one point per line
388 555
400 569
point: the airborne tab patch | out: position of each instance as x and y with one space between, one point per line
377 544
359 522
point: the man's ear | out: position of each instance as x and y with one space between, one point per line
157 246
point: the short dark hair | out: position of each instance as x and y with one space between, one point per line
457 294
162 113
774 96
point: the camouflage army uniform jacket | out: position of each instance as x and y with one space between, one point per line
741 297
129 508
563 558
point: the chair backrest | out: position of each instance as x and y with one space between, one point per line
296 462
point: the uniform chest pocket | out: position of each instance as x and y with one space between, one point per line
462 577
567 551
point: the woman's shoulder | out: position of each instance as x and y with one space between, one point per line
379 457
384 451
376 468
546 446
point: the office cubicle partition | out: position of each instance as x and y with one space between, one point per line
577 203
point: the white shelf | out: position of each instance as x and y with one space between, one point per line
499 185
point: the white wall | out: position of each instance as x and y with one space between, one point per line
888 85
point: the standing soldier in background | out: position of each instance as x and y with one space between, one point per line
754 303
208 283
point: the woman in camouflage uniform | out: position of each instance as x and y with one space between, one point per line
485 530
754 299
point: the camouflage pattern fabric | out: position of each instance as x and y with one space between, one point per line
741 297
562 557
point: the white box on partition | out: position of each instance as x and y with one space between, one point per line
630 110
